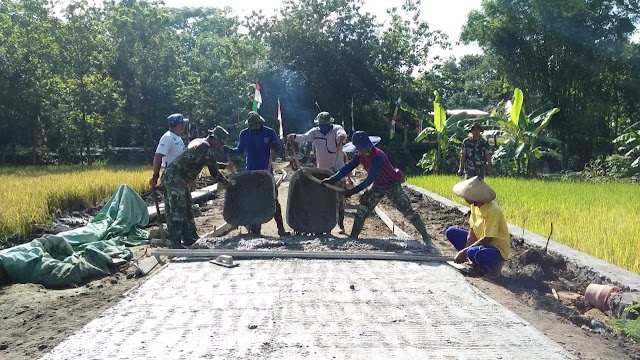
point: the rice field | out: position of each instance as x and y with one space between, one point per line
30 195
602 220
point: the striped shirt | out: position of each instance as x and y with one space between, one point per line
380 172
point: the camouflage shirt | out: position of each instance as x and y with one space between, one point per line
188 165
476 151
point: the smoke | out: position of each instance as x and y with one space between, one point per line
296 102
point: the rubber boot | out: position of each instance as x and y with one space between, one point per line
422 229
189 234
175 234
255 229
278 218
358 224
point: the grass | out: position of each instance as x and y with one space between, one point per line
599 219
30 195
631 328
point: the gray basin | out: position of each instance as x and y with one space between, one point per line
311 207
252 200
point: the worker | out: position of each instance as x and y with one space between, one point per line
475 154
327 139
386 181
169 146
486 245
175 179
220 136
258 141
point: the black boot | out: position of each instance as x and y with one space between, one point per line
175 234
358 224
278 218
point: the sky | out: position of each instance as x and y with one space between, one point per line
448 16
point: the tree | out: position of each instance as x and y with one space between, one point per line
447 131
572 56
524 143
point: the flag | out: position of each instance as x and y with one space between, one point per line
257 99
392 129
280 119
353 129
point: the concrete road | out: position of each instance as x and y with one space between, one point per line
307 309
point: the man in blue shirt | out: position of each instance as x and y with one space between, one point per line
258 141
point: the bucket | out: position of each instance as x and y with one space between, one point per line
597 295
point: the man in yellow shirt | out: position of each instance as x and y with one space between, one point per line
487 244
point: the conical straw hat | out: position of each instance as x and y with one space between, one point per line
474 190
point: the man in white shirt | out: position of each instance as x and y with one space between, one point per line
169 147
327 139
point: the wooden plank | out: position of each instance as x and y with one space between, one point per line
333 255
387 220
220 230
196 195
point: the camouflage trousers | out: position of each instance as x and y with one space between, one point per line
177 202
478 171
394 192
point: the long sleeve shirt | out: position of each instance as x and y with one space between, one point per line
329 153
380 172
257 145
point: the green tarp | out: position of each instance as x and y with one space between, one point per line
73 256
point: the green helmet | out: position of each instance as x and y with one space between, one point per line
254 120
219 132
323 118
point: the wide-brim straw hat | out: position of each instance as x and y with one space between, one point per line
475 190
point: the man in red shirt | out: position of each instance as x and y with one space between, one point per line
386 181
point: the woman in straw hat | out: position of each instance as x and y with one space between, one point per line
486 245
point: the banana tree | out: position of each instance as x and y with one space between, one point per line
524 142
446 131
629 145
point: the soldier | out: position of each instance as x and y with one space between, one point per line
386 181
185 168
487 243
475 154
170 146
327 139
259 141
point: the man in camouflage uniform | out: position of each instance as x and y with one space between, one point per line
386 181
186 168
475 155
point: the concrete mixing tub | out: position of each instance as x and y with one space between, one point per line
312 207
252 200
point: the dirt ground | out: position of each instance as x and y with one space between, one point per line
526 288
35 319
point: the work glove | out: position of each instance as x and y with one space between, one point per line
330 180
349 192
226 149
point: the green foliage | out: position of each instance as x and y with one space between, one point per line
575 54
446 132
629 145
523 144
630 328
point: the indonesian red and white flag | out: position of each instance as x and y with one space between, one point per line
280 119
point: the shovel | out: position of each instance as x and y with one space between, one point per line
316 180
158 219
